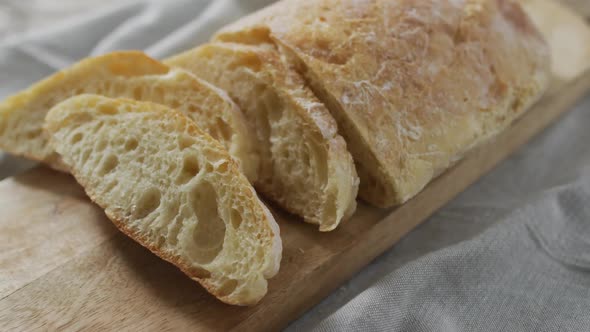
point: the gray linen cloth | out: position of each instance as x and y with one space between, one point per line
512 253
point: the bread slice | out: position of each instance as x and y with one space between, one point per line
132 75
414 85
172 188
304 163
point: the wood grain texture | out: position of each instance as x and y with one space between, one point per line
64 266
33 208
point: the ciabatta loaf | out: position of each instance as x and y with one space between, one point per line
413 84
132 75
173 189
304 163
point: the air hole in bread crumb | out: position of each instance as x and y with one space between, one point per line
76 138
200 273
107 109
185 142
227 288
223 130
175 104
131 144
516 104
147 203
171 168
160 240
236 218
34 133
190 168
101 145
111 185
223 167
138 93
207 236
178 214
109 163
98 126
85 156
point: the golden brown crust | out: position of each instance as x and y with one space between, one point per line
413 84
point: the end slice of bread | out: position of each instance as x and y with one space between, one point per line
304 164
172 188
129 74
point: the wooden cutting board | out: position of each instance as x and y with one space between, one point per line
63 265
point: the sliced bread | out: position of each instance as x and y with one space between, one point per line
304 164
172 188
414 85
129 74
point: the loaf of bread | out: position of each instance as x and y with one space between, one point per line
172 188
412 84
304 164
132 75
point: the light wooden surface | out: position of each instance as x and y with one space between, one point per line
64 266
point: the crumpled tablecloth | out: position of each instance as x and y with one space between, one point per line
512 253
